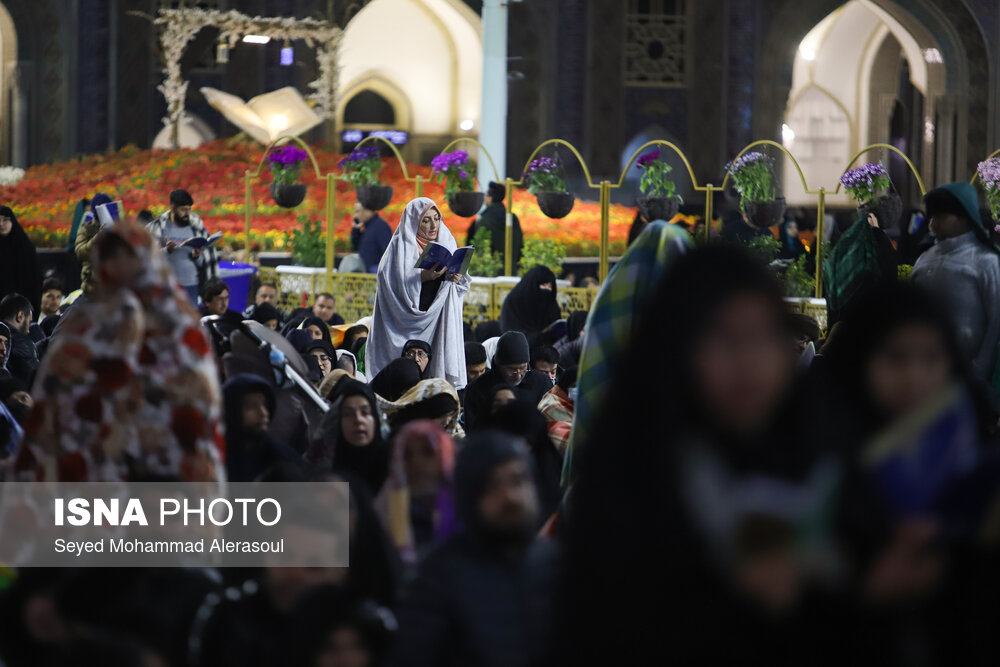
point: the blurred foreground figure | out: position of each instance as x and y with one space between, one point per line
128 388
483 596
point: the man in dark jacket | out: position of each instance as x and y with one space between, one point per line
484 596
510 368
22 362
494 219
250 450
370 236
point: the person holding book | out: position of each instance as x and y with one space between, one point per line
422 280
176 230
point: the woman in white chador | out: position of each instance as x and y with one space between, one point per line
418 304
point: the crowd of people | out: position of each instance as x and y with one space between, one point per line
690 472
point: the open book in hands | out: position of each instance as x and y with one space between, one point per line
280 113
198 242
454 262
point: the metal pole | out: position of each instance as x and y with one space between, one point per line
331 199
820 215
246 209
508 244
493 113
419 187
605 218
709 191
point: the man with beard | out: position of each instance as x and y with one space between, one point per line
22 357
483 596
191 266
510 369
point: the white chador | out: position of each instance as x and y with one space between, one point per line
398 317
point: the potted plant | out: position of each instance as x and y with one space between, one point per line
659 200
989 175
545 181
286 168
869 185
455 170
361 170
754 181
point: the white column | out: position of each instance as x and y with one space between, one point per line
493 119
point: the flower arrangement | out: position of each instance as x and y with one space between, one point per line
753 178
361 166
866 183
544 175
655 183
455 171
286 164
989 175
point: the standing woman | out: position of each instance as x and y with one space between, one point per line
531 306
421 304
18 265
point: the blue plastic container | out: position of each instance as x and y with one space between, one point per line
238 277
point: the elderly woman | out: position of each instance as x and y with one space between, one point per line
422 304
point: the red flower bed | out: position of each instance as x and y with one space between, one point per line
214 174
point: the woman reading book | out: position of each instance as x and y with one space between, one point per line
413 303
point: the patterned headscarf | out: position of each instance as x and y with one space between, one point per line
394 501
610 323
423 391
129 386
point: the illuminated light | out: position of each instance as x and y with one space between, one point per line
287 55
256 39
222 52
928 130
466 125
787 134
932 55
808 53
353 136
276 123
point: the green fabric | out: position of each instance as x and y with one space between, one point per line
609 325
75 227
853 260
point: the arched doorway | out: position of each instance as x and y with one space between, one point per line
11 109
869 72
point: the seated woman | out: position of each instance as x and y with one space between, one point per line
396 379
420 352
421 304
433 399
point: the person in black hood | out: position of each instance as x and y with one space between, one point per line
249 404
396 379
531 306
19 272
350 438
510 367
267 315
420 352
483 596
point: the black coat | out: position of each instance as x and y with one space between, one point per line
478 394
494 219
23 359
470 606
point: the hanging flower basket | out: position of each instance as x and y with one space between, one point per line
374 197
288 195
555 205
764 214
887 209
465 204
659 208
286 168
658 201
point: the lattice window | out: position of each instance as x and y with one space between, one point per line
654 52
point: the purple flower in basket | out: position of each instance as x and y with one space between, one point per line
445 161
746 159
648 159
989 172
287 156
543 164
863 176
359 155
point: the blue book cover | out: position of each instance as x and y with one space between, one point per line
197 242
435 254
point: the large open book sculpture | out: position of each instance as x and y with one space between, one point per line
280 113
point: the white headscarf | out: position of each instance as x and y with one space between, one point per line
398 317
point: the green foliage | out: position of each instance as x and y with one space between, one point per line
753 178
308 242
655 182
545 253
765 246
797 281
904 271
485 262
